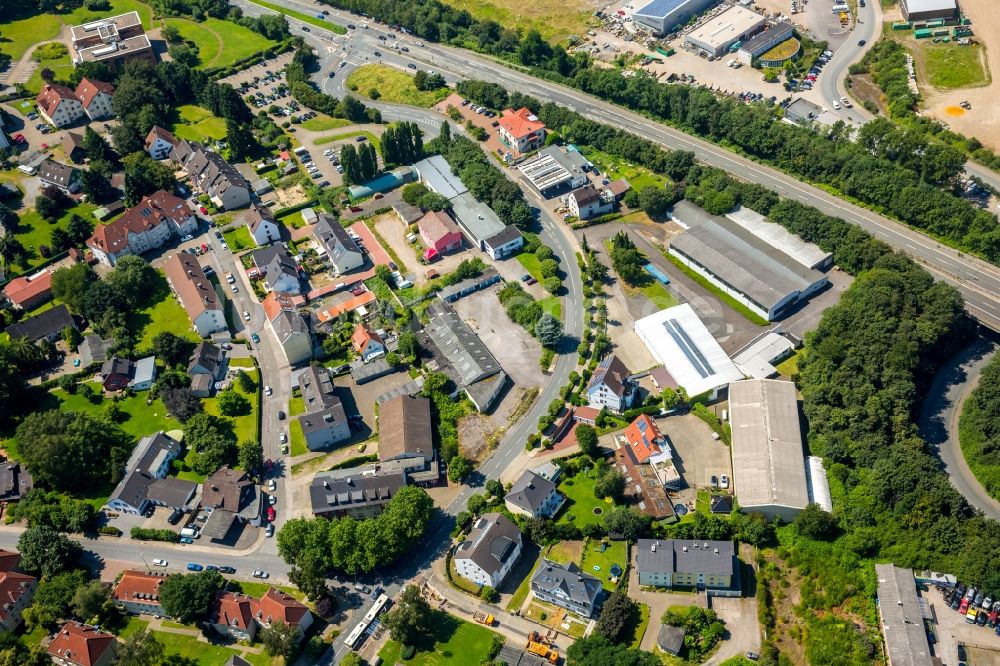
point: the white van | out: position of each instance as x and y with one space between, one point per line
30 170
190 533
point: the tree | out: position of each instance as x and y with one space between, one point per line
596 650
611 484
626 521
144 175
140 649
618 616
552 284
46 552
654 200
494 488
97 148
549 268
242 144
548 330
171 349
171 34
489 595
184 54
279 639
815 523
245 382
410 618
233 403
188 597
350 659
96 186
48 207
459 468
251 456
586 437
181 403
90 600
11 249
70 285
72 337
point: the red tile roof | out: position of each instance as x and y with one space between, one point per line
87 90
520 123
50 97
134 583
363 336
151 211
26 288
349 305
80 644
641 435
275 302
158 132
277 606
12 586
8 559
233 610
436 225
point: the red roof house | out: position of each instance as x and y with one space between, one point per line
79 644
521 130
439 233
643 438
367 342
26 292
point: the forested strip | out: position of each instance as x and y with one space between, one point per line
979 428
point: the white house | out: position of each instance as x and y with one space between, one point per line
95 97
212 175
490 551
586 202
367 343
59 105
159 143
341 250
533 496
157 219
611 386
262 225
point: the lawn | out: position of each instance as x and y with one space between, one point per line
348 135
166 314
133 625
61 65
521 593
296 438
245 425
954 66
198 124
239 239
554 19
451 642
615 167
592 556
34 230
22 32
257 590
581 502
790 366
307 18
658 295
531 264
139 419
221 43
322 122
552 305
392 86
640 629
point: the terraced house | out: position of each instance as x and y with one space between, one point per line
212 175
156 220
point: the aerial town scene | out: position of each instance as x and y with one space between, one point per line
499 333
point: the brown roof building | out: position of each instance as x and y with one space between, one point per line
139 592
232 615
196 293
231 496
157 219
405 430
159 143
59 105
79 644
95 96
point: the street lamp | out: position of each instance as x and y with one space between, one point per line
143 556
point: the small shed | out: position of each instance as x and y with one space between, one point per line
671 639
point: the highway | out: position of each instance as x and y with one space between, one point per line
977 280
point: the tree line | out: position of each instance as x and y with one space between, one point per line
360 164
308 95
979 428
486 182
402 143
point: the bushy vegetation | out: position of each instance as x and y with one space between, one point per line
307 94
979 428
487 183
703 630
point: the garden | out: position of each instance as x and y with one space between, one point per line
244 425
220 43
452 642
392 85
34 231
296 438
135 416
164 315
582 506
198 124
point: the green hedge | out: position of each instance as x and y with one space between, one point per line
355 461
143 534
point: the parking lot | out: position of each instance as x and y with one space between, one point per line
950 630
697 456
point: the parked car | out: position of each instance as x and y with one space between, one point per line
281 415
272 485
260 573
211 567
159 563
227 570
267 390
724 481
269 531
246 315
194 566
255 338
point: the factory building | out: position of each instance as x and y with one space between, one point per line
715 36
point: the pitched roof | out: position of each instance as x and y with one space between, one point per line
229 489
81 644
232 610
41 325
492 542
275 303
51 95
172 492
405 428
57 173
151 450
642 436
145 370
520 123
257 215
333 237
612 373
194 290
568 581
8 559
278 606
435 225
158 132
12 586
71 142
208 356
585 195
317 388
685 556
117 365
459 344
150 212
619 187
139 586
133 489
363 336
328 493
25 288
530 491
88 90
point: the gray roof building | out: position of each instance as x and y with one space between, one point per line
802 111
468 286
48 324
358 496
493 544
229 491
436 174
61 175
207 359
555 167
670 639
325 421
93 349
281 270
145 372
532 494
363 373
477 220
172 492
407 213
153 453
405 429
460 344
567 586
902 612
343 252
15 481
685 556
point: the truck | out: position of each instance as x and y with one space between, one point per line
484 618
540 645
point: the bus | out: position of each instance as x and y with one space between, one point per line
353 639
360 630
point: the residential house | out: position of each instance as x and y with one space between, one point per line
59 105
336 495
367 343
138 592
533 496
231 497
95 97
278 268
644 487
289 326
237 660
686 563
113 41
566 586
59 175
618 188
440 234
197 294
153 454
206 367
644 438
212 175
94 349
324 422
78 644
139 490
343 253
157 219
15 481
278 606
159 143
503 244
490 551
586 202
262 226
116 373
73 148
48 325
521 130
28 292
16 589
144 374
612 386
232 615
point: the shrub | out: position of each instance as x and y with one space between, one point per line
144 534
109 531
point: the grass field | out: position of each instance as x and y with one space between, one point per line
349 135
221 43
198 124
239 239
615 167
531 264
393 86
61 65
451 642
592 556
658 295
954 66
296 438
246 425
139 419
166 314
554 19
34 230
321 123
307 18
552 305
790 366
580 500
19 33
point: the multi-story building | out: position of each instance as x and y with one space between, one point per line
324 422
59 175
686 563
566 586
289 326
240 616
262 226
338 494
59 105
95 97
341 250
159 143
212 175
521 130
490 551
78 644
113 41
612 386
586 202
16 589
367 343
196 293
231 496
138 592
156 220
29 291
533 496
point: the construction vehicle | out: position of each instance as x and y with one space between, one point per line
484 618
540 645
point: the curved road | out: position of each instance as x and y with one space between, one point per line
939 420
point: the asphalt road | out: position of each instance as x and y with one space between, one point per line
832 79
977 280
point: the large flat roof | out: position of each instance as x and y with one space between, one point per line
726 27
476 218
660 8
929 5
744 262
902 617
436 173
768 462
679 340
775 235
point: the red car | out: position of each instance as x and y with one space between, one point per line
271 513
204 211
204 247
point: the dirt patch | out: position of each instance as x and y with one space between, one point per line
864 89
290 196
474 434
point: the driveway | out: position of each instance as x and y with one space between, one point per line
697 456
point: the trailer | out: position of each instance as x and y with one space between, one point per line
541 646
657 273
484 618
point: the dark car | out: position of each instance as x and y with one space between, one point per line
175 517
211 567
281 415
332 74
305 29
411 65
350 26
227 570
981 618
861 42
956 602
377 54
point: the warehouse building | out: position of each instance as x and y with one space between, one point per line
780 238
757 359
436 174
763 278
690 355
903 612
764 42
715 36
555 169
926 10
663 16
769 468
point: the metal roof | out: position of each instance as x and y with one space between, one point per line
768 462
775 235
929 5
437 175
477 219
902 617
661 8
726 27
685 556
460 344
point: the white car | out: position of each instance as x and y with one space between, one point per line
836 104
724 481
235 289
267 390
246 316
230 279
270 530
260 573
159 563
283 438
186 237
272 485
